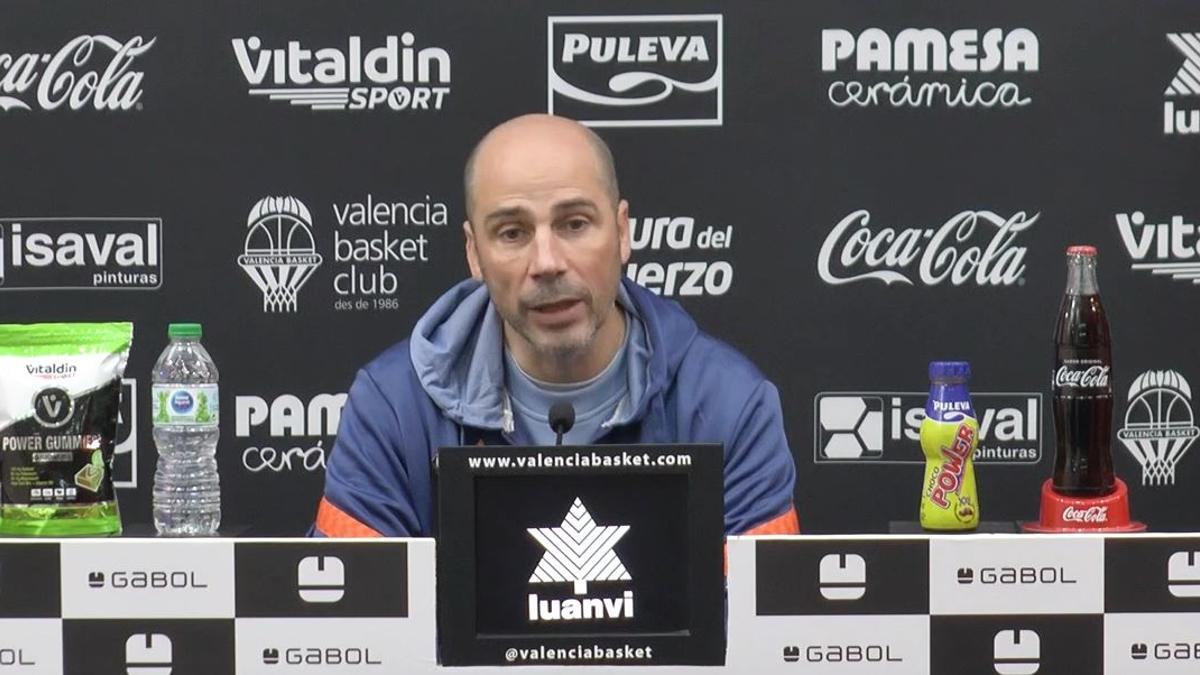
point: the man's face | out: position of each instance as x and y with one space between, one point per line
547 240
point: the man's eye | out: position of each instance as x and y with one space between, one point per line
510 234
576 224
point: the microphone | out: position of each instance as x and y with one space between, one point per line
562 418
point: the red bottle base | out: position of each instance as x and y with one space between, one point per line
1060 513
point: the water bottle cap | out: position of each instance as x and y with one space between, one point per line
942 370
1082 249
185 330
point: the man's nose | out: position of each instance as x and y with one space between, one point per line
548 258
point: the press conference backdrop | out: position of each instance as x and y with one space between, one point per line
842 190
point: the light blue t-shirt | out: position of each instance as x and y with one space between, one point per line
595 400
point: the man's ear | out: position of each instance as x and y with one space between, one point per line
623 230
472 254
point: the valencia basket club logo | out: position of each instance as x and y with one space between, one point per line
578 552
1159 427
279 254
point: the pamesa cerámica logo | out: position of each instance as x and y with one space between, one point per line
636 71
373 249
394 73
287 432
579 552
669 237
87 72
884 427
928 67
974 247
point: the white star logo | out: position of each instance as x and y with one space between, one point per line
579 551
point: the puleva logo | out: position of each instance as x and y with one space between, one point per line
636 71
577 552
1159 427
279 254
1185 83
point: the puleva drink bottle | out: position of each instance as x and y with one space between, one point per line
949 436
186 413
1082 383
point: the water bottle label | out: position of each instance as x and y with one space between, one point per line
191 405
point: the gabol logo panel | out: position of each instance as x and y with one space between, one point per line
884 427
636 71
148 646
29 581
1167 571
96 72
322 579
397 73
858 645
80 253
31 646
187 579
1008 575
1151 643
1016 644
797 577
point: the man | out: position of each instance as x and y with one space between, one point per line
553 320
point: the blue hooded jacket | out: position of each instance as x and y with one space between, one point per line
444 386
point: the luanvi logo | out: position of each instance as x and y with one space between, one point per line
396 75
280 254
636 71
53 407
578 552
1159 426
321 579
853 251
1183 574
71 77
148 654
1185 121
80 253
885 426
843 576
1017 652
1169 248
931 55
284 431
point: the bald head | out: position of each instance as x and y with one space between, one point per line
557 133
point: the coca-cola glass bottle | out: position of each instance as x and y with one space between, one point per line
1082 384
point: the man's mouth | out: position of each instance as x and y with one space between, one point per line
556 306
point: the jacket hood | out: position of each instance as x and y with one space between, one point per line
457 352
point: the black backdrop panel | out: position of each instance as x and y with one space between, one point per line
843 190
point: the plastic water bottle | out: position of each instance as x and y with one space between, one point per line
186 412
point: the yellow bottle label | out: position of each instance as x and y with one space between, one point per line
949 500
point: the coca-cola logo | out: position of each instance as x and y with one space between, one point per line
1092 377
72 77
943 253
1092 514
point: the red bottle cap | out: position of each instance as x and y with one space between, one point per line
1083 249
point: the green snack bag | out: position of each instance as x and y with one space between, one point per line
60 394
